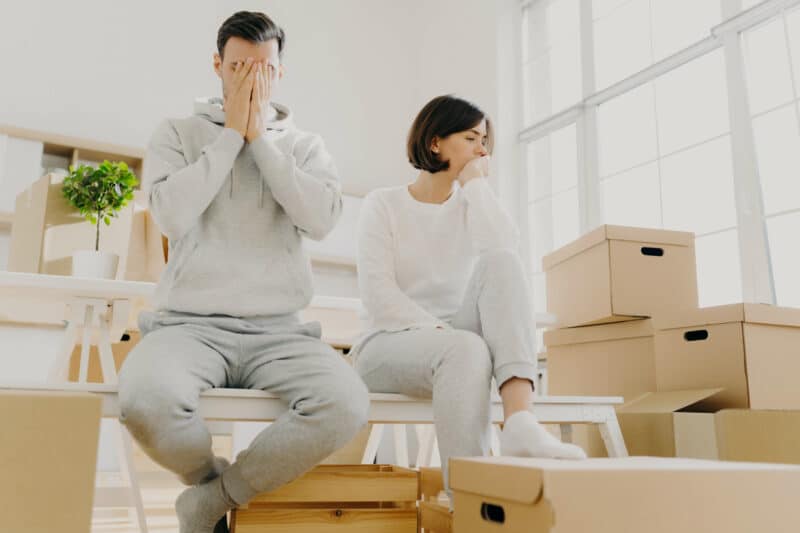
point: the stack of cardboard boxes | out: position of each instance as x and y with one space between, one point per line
706 383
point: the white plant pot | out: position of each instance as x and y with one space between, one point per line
92 264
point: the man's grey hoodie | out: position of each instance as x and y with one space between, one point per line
236 213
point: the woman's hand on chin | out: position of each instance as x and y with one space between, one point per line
477 168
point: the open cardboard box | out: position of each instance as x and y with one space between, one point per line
750 350
631 495
677 424
617 273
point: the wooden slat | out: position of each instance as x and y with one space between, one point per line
347 483
324 521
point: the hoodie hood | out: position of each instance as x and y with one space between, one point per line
279 117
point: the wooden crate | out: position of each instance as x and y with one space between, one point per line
336 499
433 516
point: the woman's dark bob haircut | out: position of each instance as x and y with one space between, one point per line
441 117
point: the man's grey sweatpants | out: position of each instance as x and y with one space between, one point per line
492 335
182 355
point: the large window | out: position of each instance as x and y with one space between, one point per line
772 59
630 35
651 143
665 162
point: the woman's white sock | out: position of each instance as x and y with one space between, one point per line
524 436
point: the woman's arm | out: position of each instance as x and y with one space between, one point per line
488 223
380 294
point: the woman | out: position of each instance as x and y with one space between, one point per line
446 293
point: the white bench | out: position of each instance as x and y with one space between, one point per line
259 406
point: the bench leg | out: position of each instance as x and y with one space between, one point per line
426 437
130 476
400 445
373 443
494 441
612 436
566 433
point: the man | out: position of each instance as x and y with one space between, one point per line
235 188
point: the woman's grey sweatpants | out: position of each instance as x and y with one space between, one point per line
181 356
491 336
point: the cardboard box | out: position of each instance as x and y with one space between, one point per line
631 495
750 350
47 230
664 424
48 453
336 499
668 424
602 360
617 273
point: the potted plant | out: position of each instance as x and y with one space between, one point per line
98 194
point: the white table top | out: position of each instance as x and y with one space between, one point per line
61 288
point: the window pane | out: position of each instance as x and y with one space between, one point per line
539 288
563 144
718 270
678 24
565 74
622 42
747 4
692 103
536 86
778 151
601 8
769 82
551 58
793 26
633 198
540 232
566 223
626 129
697 187
554 223
553 163
785 256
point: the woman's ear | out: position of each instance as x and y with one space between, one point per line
281 71
435 145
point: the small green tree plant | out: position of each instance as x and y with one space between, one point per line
99 193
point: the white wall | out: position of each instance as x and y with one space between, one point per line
357 70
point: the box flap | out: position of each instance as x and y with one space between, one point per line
502 478
617 233
771 315
629 329
698 317
666 402
708 316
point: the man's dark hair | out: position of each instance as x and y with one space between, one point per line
250 25
442 116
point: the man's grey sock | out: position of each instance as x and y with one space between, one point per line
200 508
